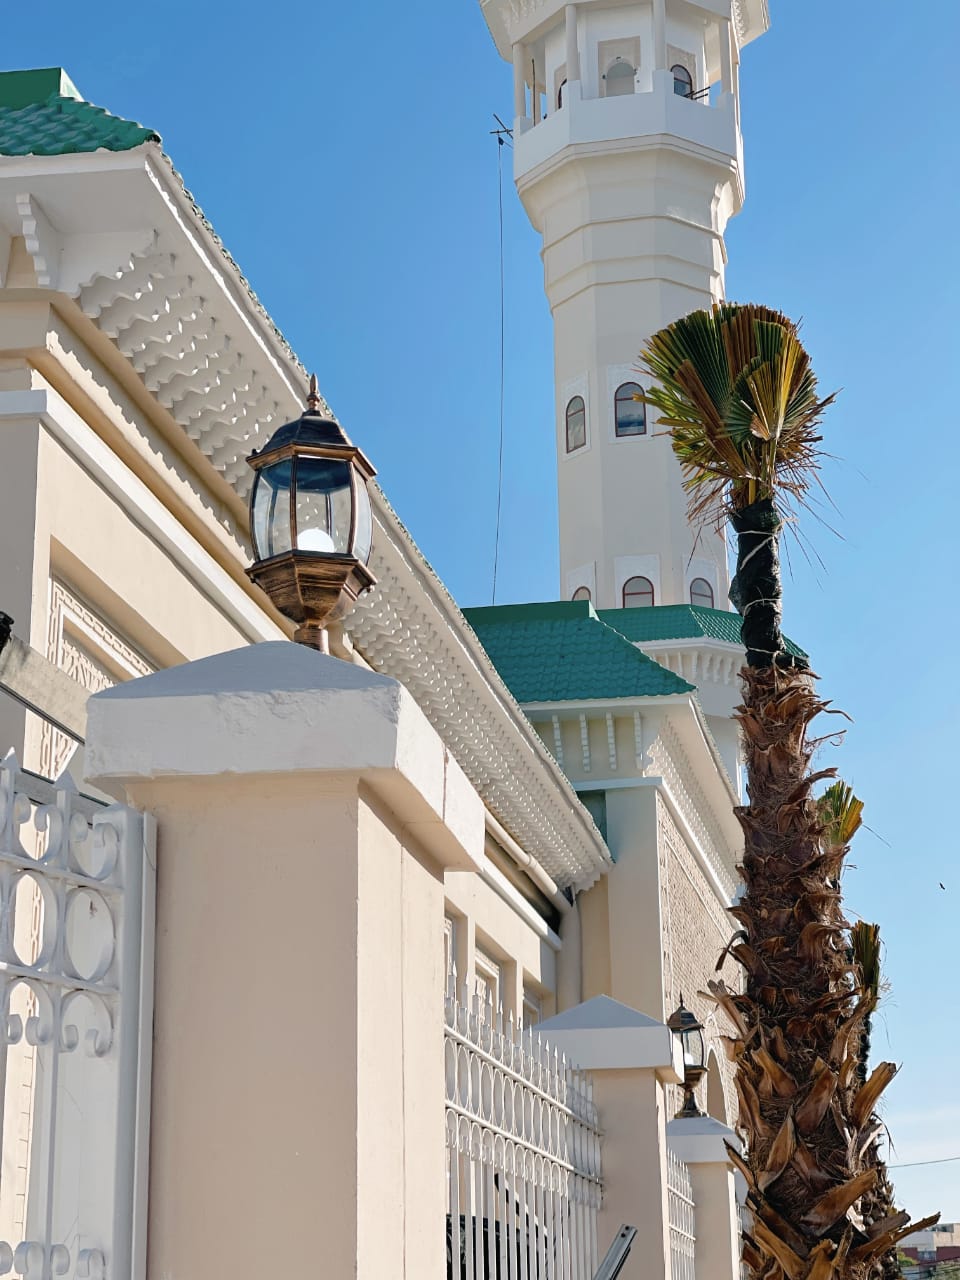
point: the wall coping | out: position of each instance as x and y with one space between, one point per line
702 1140
604 1035
279 708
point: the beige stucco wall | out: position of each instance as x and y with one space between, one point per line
74 491
298 1090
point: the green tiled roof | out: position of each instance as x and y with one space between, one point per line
679 622
42 114
563 652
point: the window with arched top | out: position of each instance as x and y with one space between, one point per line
637 593
576 424
629 413
581 593
682 81
620 78
560 94
701 593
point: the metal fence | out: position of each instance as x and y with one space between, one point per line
680 1209
523 1151
76 981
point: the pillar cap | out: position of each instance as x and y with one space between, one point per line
604 1035
282 709
702 1140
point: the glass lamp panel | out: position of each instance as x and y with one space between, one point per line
693 1051
364 540
271 510
324 504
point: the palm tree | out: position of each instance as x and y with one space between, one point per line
737 392
841 817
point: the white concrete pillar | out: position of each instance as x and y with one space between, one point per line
519 81
726 56
701 1144
660 35
306 814
573 48
631 1058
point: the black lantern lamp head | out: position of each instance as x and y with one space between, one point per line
311 521
688 1028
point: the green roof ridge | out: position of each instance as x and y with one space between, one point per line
561 651
680 622
43 114
27 88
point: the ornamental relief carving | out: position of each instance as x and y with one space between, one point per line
85 646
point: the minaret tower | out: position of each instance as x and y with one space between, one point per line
629 161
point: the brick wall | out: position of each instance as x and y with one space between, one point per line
696 928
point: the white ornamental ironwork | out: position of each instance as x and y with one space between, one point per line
523 1151
681 1214
77 881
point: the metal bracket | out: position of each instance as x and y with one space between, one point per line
617 1254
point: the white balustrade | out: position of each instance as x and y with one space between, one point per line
681 1213
523 1151
76 997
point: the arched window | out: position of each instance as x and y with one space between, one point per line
581 593
701 593
682 81
637 593
560 94
629 413
576 424
620 78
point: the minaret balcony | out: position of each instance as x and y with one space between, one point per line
635 121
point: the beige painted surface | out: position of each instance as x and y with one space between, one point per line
718 1233
634 901
297 1068
631 1108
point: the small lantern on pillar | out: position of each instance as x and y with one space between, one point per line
687 1027
311 522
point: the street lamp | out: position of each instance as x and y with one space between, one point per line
311 522
689 1029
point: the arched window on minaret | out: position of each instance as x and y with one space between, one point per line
701 593
581 593
682 81
576 424
637 593
629 413
560 94
620 78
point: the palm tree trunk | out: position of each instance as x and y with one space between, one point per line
807 1115
756 589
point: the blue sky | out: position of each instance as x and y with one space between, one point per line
343 153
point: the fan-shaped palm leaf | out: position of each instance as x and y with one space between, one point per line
737 391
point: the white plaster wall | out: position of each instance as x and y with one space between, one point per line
631 196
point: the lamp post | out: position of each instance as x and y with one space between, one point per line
311 522
689 1029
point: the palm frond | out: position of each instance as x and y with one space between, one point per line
841 815
865 942
736 391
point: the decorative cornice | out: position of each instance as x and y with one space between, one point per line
177 309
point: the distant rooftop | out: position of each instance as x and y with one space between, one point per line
563 652
42 113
